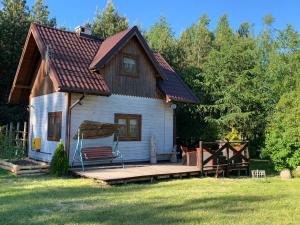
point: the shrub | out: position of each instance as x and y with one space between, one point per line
282 143
59 164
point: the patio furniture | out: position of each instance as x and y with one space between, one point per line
94 130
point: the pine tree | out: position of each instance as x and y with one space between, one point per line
160 38
108 22
223 32
40 14
196 42
229 78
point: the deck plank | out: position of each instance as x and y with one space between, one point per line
135 172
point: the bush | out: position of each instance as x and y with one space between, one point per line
282 143
59 164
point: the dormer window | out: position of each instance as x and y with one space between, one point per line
129 65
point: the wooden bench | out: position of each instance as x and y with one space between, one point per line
99 153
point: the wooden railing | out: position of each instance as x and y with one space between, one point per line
14 137
223 157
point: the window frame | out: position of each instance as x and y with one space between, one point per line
127 117
134 57
55 136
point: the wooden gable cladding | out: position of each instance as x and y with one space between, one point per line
143 84
42 83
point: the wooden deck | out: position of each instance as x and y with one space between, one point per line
135 173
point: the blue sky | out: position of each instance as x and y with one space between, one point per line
179 13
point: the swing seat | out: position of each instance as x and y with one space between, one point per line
92 130
94 153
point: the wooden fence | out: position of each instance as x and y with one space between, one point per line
16 134
223 157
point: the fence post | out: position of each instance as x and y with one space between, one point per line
200 157
11 126
227 158
24 135
18 131
248 157
6 130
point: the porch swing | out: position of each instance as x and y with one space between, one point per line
94 130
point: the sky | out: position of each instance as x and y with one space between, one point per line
179 13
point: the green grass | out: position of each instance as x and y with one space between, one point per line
48 200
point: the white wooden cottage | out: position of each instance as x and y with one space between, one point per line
68 77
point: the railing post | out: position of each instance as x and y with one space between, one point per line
6 130
24 136
200 157
227 158
11 126
18 131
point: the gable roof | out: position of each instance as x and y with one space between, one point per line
74 59
110 46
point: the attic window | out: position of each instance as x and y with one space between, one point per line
129 65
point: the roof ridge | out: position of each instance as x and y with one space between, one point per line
93 38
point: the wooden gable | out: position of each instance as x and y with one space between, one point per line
42 83
144 84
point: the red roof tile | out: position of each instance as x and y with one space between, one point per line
174 87
70 56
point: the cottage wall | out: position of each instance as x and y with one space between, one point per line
157 119
38 122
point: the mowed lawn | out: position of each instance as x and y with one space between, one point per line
48 200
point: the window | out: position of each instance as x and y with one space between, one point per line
131 127
54 126
129 65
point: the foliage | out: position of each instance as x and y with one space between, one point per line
230 79
160 38
233 135
59 164
282 144
40 14
108 22
15 18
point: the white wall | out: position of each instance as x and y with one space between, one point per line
157 119
39 108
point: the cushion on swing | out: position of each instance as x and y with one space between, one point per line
93 153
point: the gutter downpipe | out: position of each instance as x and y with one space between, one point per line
68 122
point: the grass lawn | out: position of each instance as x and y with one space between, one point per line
47 200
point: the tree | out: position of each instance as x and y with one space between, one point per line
282 144
229 78
15 18
160 38
195 45
108 22
223 32
196 42
244 30
14 24
40 14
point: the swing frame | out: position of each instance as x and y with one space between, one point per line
79 148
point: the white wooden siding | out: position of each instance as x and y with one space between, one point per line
39 108
157 119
